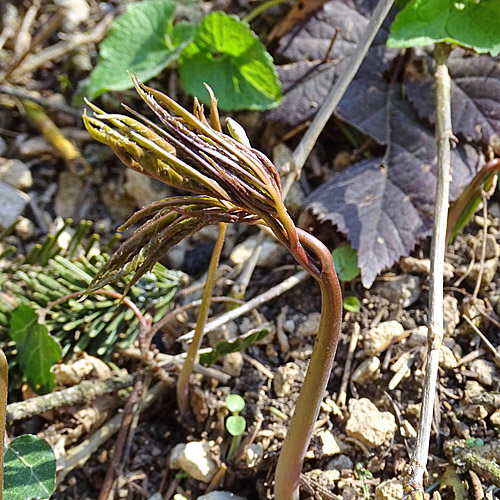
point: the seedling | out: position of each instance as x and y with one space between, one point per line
364 475
346 265
235 423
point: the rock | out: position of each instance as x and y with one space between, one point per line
284 379
253 454
447 358
195 459
495 418
340 462
366 370
486 371
331 444
368 425
228 331
310 326
418 337
119 204
492 250
75 12
144 190
68 196
451 314
476 412
377 339
423 266
324 478
16 173
24 228
407 430
404 290
271 255
232 364
392 489
12 205
175 454
221 495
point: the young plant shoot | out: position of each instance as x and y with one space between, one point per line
227 182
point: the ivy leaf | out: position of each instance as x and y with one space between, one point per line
37 350
385 205
143 41
475 96
471 23
227 55
308 79
30 469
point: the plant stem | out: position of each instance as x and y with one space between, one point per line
187 367
4 389
306 412
435 334
260 9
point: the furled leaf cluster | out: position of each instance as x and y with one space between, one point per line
384 203
96 323
221 51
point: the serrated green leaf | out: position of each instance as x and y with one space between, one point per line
29 469
37 350
235 425
471 23
224 347
143 41
350 304
235 403
346 263
228 56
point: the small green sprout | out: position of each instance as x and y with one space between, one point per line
235 424
363 475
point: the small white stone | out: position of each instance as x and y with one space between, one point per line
331 444
175 454
369 425
16 173
495 418
232 364
366 370
377 339
12 205
271 255
197 461
407 430
392 489
253 454
476 412
447 358
486 371
284 379
310 326
221 495
143 189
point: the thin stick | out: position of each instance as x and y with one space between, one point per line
323 115
435 336
187 367
348 362
4 389
273 292
483 246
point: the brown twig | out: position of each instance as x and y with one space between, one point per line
341 399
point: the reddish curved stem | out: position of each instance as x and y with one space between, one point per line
301 427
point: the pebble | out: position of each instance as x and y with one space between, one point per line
284 379
221 495
253 454
404 290
326 479
271 255
407 430
392 489
13 204
423 266
476 412
369 425
68 195
447 358
330 446
16 173
367 370
451 314
75 12
310 326
377 339
340 462
144 190
486 371
233 364
25 228
195 458
495 418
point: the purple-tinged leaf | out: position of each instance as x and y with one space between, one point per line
475 97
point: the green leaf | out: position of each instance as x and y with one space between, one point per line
30 469
37 351
227 55
224 347
351 304
235 425
235 403
142 41
471 23
346 263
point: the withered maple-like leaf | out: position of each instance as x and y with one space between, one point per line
316 64
384 205
475 96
